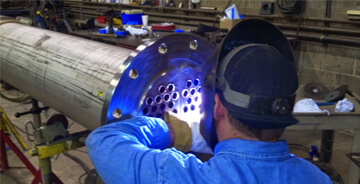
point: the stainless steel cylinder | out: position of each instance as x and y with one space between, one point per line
91 82
67 73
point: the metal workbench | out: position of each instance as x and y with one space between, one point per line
130 42
334 121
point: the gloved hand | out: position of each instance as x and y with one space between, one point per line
182 131
187 135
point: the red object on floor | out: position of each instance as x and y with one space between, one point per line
4 162
19 154
101 19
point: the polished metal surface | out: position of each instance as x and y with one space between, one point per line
164 66
67 73
95 83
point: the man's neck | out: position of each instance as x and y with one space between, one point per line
227 131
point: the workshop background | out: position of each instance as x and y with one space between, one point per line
327 50
334 64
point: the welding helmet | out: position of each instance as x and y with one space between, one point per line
255 77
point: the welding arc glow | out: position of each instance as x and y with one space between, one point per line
193 114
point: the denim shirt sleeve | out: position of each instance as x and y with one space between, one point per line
129 151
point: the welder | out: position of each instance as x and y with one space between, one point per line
254 98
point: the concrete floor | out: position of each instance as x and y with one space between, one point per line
66 169
71 172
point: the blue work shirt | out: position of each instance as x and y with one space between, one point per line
133 151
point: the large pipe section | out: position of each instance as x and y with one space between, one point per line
92 82
67 73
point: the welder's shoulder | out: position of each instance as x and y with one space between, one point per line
310 172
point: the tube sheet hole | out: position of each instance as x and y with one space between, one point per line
192 91
188 83
186 109
171 87
161 89
149 101
154 108
145 111
162 106
171 105
196 82
166 97
158 99
175 95
185 93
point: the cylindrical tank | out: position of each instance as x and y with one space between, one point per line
92 82
67 73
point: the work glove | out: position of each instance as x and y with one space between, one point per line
187 135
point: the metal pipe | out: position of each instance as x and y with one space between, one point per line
91 82
45 163
67 73
39 138
154 15
327 141
330 39
327 15
320 29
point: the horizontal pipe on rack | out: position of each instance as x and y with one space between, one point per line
215 12
320 29
321 38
